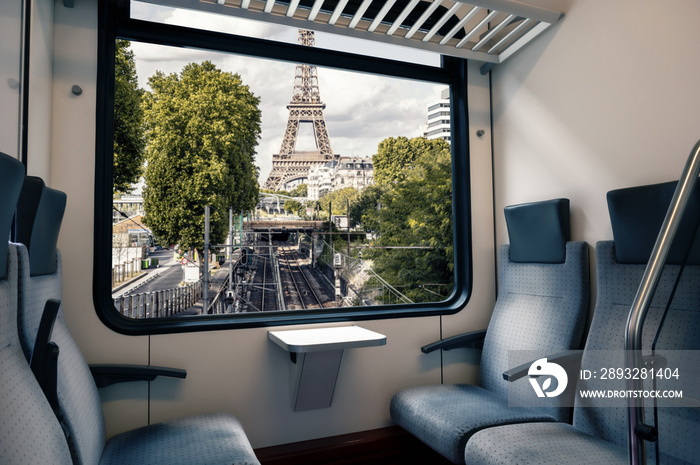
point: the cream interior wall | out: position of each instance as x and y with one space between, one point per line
606 99
40 82
461 365
237 371
40 89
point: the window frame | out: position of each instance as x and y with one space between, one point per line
114 22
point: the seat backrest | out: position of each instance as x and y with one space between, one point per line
543 295
636 215
29 430
11 178
39 215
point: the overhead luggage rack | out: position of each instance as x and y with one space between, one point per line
484 30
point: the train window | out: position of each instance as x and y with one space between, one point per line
250 189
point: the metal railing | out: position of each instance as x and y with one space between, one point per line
645 293
126 270
159 304
220 304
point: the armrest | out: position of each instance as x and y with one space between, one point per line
106 375
565 358
473 339
44 359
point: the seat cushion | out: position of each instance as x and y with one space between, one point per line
205 440
541 444
446 416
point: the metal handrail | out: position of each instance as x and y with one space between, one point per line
645 292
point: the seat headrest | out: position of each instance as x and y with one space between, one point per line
539 231
39 214
11 177
637 213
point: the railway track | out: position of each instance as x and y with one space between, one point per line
263 289
301 286
299 293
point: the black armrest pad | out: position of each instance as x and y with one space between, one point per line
44 359
39 358
106 375
473 339
567 357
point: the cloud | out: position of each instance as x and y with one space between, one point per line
367 109
361 109
210 21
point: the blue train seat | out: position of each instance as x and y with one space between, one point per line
204 439
541 308
29 430
599 430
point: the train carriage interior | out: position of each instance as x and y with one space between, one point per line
288 232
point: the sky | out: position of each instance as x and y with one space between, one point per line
361 109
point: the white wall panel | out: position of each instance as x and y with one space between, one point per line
606 99
246 374
461 365
40 89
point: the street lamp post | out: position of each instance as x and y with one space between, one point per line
205 278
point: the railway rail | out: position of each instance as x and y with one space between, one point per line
298 290
285 272
261 297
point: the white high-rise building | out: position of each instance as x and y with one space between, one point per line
438 126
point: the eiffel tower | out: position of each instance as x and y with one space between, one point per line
306 107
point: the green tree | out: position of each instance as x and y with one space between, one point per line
364 211
396 157
301 190
203 127
338 200
416 210
293 206
129 138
